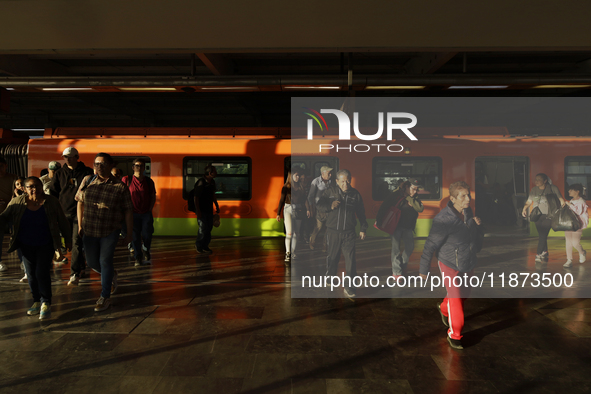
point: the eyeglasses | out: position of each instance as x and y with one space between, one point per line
97 165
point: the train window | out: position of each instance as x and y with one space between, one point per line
577 169
125 164
311 164
389 172
233 181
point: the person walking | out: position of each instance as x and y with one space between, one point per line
64 185
343 205
103 204
6 192
573 238
317 187
456 238
143 197
204 199
295 210
538 197
46 179
38 220
407 199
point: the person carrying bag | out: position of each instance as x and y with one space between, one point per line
578 208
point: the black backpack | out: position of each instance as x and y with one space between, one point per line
191 201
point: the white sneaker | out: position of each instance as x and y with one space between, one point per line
583 257
568 264
24 279
74 280
3 267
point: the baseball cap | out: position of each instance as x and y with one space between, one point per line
54 165
415 182
324 169
70 152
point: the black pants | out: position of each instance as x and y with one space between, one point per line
78 260
38 265
205 227
337 241
544 225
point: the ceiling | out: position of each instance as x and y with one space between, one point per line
254 89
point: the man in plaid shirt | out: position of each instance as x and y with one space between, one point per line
103 203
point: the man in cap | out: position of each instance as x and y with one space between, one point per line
64 185
46 179
318 186
407 199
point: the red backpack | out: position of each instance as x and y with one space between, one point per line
391 218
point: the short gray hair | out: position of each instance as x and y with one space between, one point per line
344 172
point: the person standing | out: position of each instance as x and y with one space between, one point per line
295 210
343 205
46 179
38 220
573 238
205 189
64 185
538 197
143 197
456 238
103 204
407 199
6 190
317 187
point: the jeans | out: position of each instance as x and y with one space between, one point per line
337 242
400 260
205 227
99 255
292 229
143 228
38 264
543 225
78 263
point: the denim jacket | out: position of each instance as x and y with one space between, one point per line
55 217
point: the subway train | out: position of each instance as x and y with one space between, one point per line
252 165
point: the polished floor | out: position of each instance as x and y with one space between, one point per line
227 323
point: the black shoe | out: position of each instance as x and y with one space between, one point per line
138 261
444 318
455 343
199 250
147 256
207 250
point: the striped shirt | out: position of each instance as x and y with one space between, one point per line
105 204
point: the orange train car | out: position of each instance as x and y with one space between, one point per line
251 165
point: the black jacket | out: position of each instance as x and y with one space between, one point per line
65 184
343 217
455 242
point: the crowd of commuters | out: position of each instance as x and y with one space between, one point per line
94 209
91 209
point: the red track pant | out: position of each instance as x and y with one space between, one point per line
453 304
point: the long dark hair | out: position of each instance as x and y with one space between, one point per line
580 188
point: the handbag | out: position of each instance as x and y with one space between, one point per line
535 214
391 218
565 220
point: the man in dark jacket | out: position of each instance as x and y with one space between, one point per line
64 185
344 206
456 237
205 189
407 199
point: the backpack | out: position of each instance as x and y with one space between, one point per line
191 201
389 222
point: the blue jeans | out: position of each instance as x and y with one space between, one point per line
38 264
143 228
99 257
400 260
204 233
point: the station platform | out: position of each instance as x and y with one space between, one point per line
226 323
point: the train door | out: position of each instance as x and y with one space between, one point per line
501 189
